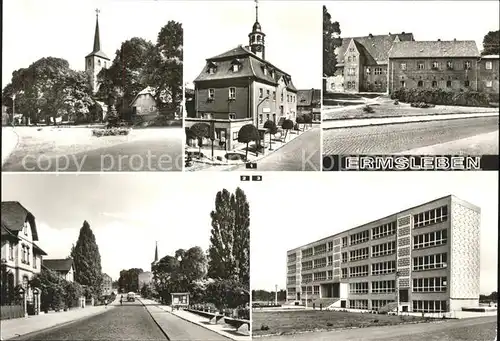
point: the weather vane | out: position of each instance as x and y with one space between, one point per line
97 11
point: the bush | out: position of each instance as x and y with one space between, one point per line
329 324
219 158
110 132
264 327
368 109
396 102
442 97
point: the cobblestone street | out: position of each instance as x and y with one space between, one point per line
395 138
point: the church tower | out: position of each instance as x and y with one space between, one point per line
156 257
96 60
256 37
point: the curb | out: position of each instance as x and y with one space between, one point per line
407 122
154 320
58 325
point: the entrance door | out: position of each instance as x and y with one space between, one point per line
403 295
343 304
298 296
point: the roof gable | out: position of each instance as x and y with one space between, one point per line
436 49
14 215
146 91
60 265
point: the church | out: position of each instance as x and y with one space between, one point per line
239 87
146 278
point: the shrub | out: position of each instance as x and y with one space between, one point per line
368 109
110 131
396 102
329 324
219 158
264 327
442 97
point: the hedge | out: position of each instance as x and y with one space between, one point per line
442 97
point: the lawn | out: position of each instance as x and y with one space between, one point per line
385 109
289 322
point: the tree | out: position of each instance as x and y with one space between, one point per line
129 280
227 293
271 130
229 252
53 289
200 131
331 41
307 118
300 120
193 264
491 43
287 125
165 277
247 134
87 260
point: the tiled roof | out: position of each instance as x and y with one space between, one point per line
39 250
62 265
146 91
375 48
251 66
436 49
98 54
14 215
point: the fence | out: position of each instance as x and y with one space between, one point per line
11 311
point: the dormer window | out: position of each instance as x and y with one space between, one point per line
236 67
211 70
265 71
211 94
272 73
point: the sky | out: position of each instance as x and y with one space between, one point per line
34 29
293 35
128 213
427 20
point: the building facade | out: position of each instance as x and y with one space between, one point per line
309 102
64 267
240 87
489 73
107 284
97 59
423 259
21 257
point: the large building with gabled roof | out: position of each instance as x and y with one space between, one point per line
240 87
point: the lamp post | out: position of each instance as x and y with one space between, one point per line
276 295
13 107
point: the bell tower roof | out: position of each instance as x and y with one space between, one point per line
96 51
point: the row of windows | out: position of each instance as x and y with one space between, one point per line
319 249
360 237
320 276
307 252
358 271
89 62
433 238
307 265
383 287
429 306
292 291
358 288
450 65
359 254
307 278
376 71
291 280
310 290
383 268
377 304
292 269
319 263
292 258
430 217
358 304
231 94
384 230
383 249
435 84
432 284
430 262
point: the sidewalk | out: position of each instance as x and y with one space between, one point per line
34 323
483 144
9 142
394 120
166 319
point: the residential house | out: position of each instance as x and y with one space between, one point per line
309 102
190 103
240 87
488 74
21 257
107 284
144 104
64 267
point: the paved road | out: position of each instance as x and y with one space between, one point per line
394 138
474 329
128 322
163 154
300 154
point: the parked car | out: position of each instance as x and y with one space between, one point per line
131 297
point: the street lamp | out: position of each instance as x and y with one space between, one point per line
13 107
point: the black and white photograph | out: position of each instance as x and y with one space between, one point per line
422 79
252 86
112 257
392 256
92 86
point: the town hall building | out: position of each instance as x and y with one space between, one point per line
240 87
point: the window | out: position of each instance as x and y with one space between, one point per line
360 237
265 71
307 252
448 84
235 135
292 269
105 64
236 67
434 216
359 254
432 284
430 262
261 93
420 65
25 228
358 271
319 263
384 230
211 94
274 95
403 66
358 288
403 84
99 62
320 276
207 115
25 282
292 257
351 71
435 65
430 239
344 242
232 116
434 84
429 306
232 93
282 97
307 265
319 249
383 249
330 261
316 290
288 98
11 250
89 63
378 71
349 58
358 304
330 274
466 84
268 93
383 268
368 71
420 84
330 246
489 84
467 65
489 65
307 278
211 70
291 280
377 304
383 287
261 119
449 65
353 58
344 272
344 257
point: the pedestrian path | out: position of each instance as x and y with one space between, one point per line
183 326
9 142
334 124
34 323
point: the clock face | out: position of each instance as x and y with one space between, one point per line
258 48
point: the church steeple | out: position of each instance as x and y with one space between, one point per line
97 39
156 253
256 37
